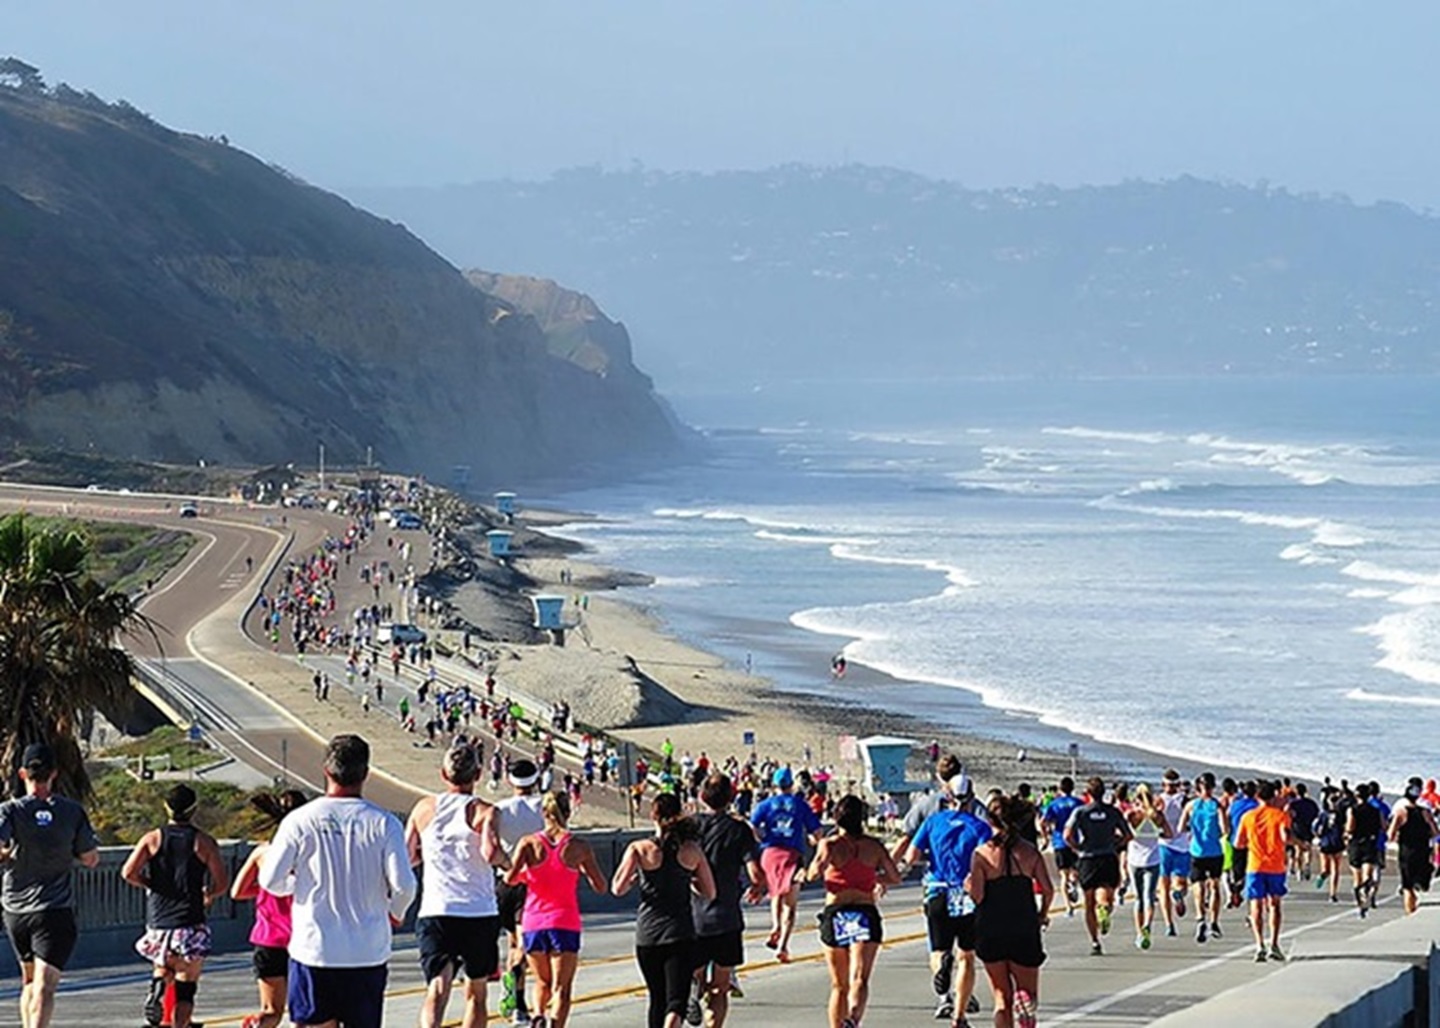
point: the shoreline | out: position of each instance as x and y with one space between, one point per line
643 680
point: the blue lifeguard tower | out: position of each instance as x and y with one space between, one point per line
885 757
550 616
505 504
499 542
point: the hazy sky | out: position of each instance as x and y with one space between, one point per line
1311 94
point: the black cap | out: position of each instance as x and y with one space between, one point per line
181 800
38 758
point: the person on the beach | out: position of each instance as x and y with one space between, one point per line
947 840
1413 828
1377 800
271 934
785 824
1363 831
516 817
942 952
1174 852
180 869
458 924
1208 825
1005 875
343 860
671 868
1264 835
731 847
1055 817
855 868
550 864
42 837
1096 832
1147 822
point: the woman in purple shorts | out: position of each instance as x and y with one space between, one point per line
550 864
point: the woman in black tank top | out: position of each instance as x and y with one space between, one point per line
668 867
1006 874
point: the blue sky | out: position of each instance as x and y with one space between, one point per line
1311 94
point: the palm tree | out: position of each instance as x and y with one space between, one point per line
59 658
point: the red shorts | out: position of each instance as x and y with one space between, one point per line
780 865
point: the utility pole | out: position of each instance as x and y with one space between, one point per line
322 467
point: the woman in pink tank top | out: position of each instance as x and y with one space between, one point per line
271 934
549 864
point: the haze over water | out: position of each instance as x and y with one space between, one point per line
1236 571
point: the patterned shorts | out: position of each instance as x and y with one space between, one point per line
157 945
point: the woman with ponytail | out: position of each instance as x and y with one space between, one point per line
670 867
271 934
856 868
550 864
1004 875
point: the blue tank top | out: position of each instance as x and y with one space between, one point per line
1205 829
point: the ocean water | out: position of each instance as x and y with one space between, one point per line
1237 571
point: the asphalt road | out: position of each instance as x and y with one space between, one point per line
1124 988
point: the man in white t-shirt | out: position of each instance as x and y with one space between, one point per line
344 862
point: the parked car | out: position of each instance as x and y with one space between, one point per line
403 634
189 510
408 521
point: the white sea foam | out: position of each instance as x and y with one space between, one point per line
895 437
1367 594
811 540
1370 572
957 577
1152 485
1366 696
1410 642
1082 432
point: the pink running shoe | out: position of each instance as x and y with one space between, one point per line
1024 1009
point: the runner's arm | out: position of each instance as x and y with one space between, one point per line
1185 817
590 868
247 880
399 875
625 873
208 850
975 880
520 861
1396 822
889 873
412 834
703 882
134 869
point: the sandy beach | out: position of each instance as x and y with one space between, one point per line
622 672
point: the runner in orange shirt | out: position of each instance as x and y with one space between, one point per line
1265 835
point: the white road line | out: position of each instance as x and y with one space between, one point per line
1140 988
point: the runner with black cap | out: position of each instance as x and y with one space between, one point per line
520 815
42 835
180 869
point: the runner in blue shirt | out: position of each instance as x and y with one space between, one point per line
1054 817
1207 823
785 823
947 840
1239 807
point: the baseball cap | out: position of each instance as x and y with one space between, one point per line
782 778
38 758
959 785
181 799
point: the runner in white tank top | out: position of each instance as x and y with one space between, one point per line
515 818
458 926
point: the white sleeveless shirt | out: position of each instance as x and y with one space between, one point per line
519 816
458 880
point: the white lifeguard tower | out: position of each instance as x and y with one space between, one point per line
550 616
885 757
499 542
505 503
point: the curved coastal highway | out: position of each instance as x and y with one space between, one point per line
198 646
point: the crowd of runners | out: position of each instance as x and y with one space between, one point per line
500 902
